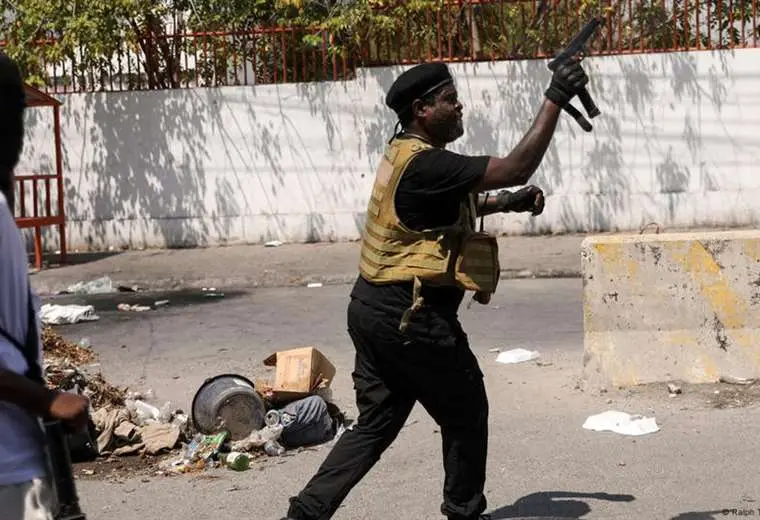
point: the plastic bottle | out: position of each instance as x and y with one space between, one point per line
237 461
272 418
273 448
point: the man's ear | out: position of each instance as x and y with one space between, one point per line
418 108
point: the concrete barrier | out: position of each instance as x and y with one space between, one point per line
681 306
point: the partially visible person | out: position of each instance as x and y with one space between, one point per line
26 492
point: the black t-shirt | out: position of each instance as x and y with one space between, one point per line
429 195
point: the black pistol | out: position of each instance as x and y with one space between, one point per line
59 460
577 46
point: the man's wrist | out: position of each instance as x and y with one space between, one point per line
504 200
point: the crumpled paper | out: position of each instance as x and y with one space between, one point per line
120 436
622 423
106 421
66 314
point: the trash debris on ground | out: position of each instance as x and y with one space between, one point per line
232 422
122 426
237 461
299 372
161 303
674 389
57 348
517 355
51 314
132 308
622 423
211 293
101 285
273 243
230 400
292 411
731 380
314 285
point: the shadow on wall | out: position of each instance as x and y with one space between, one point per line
147 165
194 167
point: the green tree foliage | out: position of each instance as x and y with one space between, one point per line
92 42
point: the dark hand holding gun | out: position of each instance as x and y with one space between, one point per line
528 199
570 80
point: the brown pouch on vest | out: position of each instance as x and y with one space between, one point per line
477 265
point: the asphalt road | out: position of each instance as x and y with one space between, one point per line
172 349
541 460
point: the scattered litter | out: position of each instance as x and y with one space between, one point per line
230 399
59 350
161 303
99 286
494 350
731 380
544 363
518 355
205 446
273 448
237 461
622 423
132 308
294 412
202 451
273 243
212 293
145 413
66 314
157 438
674 389
314 285
258 439
410 422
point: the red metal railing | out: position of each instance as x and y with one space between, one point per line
205 59
42 213
46 207
456 30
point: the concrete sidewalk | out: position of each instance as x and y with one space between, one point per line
288 265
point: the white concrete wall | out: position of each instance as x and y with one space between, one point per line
678 142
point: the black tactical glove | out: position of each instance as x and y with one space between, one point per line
567 81
529 198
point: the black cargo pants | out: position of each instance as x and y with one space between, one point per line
392 373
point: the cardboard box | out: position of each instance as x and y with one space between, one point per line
299 372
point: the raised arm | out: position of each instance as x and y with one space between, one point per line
521 163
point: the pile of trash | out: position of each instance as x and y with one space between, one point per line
237 422
122 423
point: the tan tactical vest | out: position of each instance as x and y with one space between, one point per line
454 255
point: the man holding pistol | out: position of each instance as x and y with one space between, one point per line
421 251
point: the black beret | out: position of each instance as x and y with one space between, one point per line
416 83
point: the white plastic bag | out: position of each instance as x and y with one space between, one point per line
622 423
517 355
